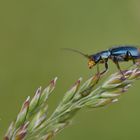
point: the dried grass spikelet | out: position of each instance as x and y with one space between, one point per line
33 123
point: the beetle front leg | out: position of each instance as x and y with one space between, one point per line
106 68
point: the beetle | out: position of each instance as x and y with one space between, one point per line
116 54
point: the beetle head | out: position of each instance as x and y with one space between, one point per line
91 63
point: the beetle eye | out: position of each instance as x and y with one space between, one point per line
91 63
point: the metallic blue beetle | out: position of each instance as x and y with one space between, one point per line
116 54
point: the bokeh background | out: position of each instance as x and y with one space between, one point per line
32 33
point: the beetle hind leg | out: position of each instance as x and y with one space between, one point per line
130 57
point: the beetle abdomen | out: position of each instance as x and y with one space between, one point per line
124 49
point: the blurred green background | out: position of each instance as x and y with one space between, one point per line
32 33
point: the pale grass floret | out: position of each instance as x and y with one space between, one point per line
33 123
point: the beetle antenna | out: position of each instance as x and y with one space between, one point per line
76 51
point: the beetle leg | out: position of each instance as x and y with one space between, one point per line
98 72
106 68
118 66
129 55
